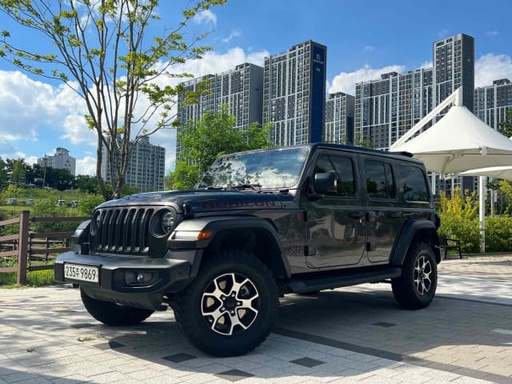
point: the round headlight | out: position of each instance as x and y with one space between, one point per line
167 221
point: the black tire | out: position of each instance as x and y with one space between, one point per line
230 307
114 314
416 288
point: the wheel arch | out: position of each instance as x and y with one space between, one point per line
252 234
415 231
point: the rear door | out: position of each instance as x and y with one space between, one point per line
384 216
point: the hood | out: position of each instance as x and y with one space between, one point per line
205 200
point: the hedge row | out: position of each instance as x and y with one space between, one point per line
498 233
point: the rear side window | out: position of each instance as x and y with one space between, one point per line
380 183
413 184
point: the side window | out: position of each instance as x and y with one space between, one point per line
343 168
413 184
380 183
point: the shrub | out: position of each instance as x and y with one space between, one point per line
498 234
463 229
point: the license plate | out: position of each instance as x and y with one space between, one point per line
82 273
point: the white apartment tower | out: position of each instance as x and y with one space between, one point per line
240 89
339 118
60 160
146 167
454 67
294 94
493 102
388 107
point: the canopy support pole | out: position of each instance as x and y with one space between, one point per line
481 210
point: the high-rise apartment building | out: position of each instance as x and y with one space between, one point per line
60 160
454 67
146 167
339 118
388 107
492 102
294 94
241 89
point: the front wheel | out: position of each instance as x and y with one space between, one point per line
113 314
229 308
416 288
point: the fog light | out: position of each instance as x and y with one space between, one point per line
140 278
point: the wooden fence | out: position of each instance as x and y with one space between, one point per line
29 247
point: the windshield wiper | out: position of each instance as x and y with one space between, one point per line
254 187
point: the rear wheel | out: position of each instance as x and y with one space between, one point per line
416 288
229 308
114 314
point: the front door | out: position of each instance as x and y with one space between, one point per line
335 221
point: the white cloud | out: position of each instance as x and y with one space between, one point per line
213 62
205 17
33 104
492 33
368 48
492 67
30 160
234 33
86 166
346 82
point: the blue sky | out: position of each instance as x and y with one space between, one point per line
364 39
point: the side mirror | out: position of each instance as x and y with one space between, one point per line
325 182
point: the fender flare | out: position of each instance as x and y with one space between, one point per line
407 234
201 232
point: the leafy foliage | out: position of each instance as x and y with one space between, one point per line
88 204
212 136
498 234
505 127
459 219
464 206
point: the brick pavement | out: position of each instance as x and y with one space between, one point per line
354 335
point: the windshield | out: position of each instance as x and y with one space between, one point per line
272 169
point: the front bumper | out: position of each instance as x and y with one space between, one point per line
116 284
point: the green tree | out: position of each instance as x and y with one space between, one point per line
18 172
87 184
505 127
3 173
212 136
106 52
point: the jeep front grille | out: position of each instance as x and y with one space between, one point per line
122 230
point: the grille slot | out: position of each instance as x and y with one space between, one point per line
123 230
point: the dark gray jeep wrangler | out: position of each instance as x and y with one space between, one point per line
260 224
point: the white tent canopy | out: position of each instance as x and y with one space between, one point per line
504 172
459 142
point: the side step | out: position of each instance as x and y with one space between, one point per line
317 284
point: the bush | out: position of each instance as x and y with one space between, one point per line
463 229
88 204
34 278
498 234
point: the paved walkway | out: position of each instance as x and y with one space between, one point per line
354 335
